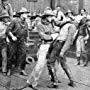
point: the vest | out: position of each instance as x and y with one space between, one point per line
82 31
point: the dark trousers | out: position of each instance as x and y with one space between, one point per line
21 55
3 50
55 56
17 55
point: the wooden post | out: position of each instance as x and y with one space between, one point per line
52 4
81 4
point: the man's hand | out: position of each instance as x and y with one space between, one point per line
7 39
14 38
61 54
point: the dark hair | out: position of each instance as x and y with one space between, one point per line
58 6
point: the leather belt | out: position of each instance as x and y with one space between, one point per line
60 41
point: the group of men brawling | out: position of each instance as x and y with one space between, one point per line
57 33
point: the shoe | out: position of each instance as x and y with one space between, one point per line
84 64
23 73
58 81
78 63
31 86
4 73
53 85
71 83
9 73
55 80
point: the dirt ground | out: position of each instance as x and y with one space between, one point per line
81 77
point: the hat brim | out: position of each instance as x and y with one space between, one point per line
16 15
34 17
4 17
22 13
68 13
47 15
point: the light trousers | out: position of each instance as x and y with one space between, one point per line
42 52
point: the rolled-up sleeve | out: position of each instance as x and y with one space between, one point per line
10 27
42 34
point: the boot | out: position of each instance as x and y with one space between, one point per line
68 73
85 60
78 61
53 85
71 83
23 73
9 72
53 76
85 63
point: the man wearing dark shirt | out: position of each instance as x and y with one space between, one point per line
83 36
17 33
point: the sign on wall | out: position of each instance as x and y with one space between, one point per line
31 0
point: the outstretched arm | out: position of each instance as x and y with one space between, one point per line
69 40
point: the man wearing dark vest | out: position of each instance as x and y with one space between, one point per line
83 36
60 47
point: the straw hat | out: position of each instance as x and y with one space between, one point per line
23 10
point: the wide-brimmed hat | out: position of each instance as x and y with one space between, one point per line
4 15
16 15
34 16
23 10
69 11
47 8
48 13
4 0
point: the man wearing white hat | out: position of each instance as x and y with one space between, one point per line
45 30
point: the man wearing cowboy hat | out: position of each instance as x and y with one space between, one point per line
59 15
17 33
5 7
3 45
70 16
60 47
45 30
